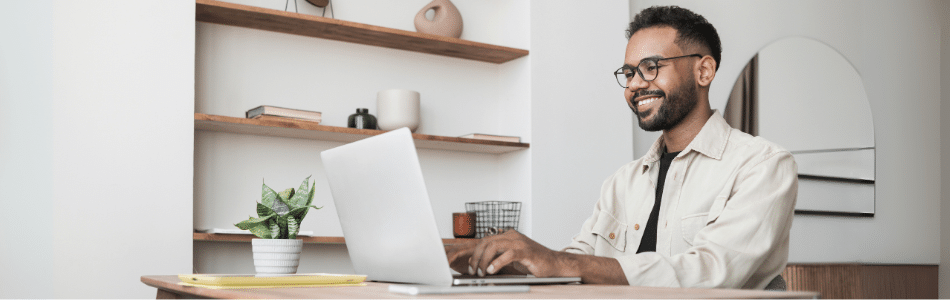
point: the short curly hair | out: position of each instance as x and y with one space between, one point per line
691 28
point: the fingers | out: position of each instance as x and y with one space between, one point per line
483 253
489 253
458 257
501 261
476 257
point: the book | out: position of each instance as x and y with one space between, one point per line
491 137
267 110
243 281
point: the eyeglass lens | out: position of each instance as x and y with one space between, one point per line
648 72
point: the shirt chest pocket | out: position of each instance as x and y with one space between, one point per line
691 225
611 231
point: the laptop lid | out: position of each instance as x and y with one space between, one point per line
386 216
384 210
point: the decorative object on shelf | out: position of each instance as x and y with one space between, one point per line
447 21
463 225
491 137
309 130
277 250
299 114
323 4
494 217
253 17
362 119
319 3
397 108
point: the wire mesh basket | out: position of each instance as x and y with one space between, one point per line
493 217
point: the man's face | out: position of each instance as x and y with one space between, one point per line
662 103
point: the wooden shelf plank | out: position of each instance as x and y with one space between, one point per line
283 127
307 25
211 237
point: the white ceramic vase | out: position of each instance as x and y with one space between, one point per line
276 256
397 108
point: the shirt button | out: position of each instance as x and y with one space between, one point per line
636 226
612 236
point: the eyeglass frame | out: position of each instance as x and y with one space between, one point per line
638 71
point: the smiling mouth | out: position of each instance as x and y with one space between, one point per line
646 102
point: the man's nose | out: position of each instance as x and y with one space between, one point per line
637 83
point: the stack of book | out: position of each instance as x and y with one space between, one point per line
265 111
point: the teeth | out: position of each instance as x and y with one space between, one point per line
647 101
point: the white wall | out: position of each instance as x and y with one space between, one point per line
945 150
580 121
96 100
900 37
239 68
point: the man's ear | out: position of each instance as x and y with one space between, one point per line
706 71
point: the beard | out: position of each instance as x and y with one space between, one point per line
674 108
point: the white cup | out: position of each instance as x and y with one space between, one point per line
397 108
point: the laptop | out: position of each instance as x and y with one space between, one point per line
387 219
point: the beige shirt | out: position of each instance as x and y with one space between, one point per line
724 220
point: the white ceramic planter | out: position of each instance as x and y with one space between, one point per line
397 108
276 256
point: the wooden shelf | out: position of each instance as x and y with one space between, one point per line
307 25
310 130
211 237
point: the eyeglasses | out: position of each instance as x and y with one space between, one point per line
648 70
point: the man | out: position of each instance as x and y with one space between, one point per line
707 206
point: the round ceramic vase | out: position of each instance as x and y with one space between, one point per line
276 256
397 108
447 21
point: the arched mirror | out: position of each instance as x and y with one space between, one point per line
805 96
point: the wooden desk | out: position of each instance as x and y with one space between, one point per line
168 288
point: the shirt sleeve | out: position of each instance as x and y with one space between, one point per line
745 241
583 242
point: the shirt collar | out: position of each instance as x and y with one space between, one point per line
710 141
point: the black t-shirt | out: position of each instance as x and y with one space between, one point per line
648 243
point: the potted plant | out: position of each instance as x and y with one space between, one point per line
277 249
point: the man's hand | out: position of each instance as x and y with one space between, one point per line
507 253
513 253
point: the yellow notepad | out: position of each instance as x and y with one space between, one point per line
233 281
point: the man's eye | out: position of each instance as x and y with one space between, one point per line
652 68
628 74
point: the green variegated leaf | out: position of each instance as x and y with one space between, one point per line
297 211
282 223
268 196
312 189
299 198
274 230
263 211
301 213
286 194
292 227
280 207
261 231
304 184
251 222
